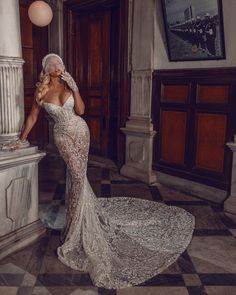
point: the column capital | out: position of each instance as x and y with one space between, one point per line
11 98
55 4
232 146
11 61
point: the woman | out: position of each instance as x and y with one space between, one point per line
119 241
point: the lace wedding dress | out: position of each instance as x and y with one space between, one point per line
119 241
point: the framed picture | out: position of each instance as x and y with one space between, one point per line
194 29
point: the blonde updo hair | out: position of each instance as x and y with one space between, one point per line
44 78
42 86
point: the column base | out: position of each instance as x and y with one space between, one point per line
187 186
8 138
138 174
21 238
139 145
230 205
25 153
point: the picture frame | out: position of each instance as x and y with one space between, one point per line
194 29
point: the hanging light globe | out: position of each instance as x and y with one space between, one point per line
40 13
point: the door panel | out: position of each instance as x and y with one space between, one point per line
95 53
173 136
213 94
93 72
174 93
211 137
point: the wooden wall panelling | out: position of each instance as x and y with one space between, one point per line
172 129
211 138
173 136
213 93
174 93
214 118
210 122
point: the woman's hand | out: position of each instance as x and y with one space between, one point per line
11 146
70 81
79 104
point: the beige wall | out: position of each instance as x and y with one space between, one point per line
160 52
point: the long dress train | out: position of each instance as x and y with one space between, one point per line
119 241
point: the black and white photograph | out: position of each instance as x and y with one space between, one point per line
194 29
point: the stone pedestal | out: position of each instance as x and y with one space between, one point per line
230 202
139 130
19 222
138 161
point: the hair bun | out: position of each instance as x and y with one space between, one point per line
51 55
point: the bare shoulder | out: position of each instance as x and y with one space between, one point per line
37 101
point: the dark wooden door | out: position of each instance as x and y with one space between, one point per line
34 47
93 74
95 34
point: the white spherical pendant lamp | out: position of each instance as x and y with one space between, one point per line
40 13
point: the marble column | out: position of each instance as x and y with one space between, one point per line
55 30
11 75
19 222
139 128
230 202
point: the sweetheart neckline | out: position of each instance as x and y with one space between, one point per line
61 106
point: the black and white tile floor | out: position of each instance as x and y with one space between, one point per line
208 266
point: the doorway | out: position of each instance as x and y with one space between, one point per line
96 46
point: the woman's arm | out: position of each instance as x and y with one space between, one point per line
30 121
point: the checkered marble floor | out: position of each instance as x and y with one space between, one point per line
208 266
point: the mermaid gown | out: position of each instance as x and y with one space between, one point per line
119 241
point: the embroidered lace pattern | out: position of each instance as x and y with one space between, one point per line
119 241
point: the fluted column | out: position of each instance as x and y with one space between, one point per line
139 128
11 98
11 73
